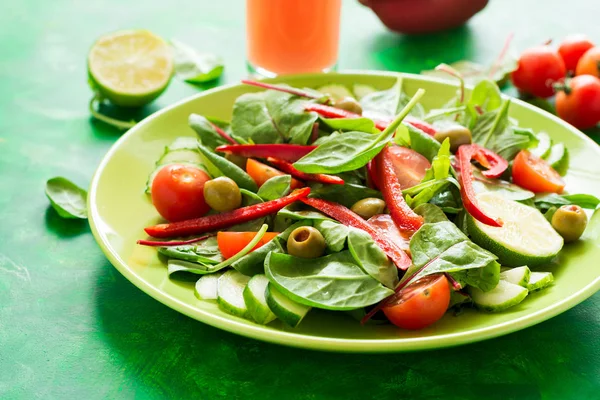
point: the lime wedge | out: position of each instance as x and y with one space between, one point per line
130 68
526 238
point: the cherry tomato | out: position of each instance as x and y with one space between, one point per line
178 192
230 243
410 167
385 223
261 173
589 63
538 68
420 304
579 102
535 174
572 48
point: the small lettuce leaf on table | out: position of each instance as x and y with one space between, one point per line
193 66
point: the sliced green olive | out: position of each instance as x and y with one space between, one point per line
368 207
238 160
222 194
306 242
349 104
570 222
458 135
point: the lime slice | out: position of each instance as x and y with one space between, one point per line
559 158
130 68
526 238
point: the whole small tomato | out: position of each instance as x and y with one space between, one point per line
578 102
589 63
572 48
538 69
178 192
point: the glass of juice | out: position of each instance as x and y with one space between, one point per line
292 36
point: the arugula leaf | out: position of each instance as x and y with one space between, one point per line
220 166
335 234
195 67
67 199
547 201
275 187
424 192
346 194
369 256
204 252
351 124
205 131
442 247
333 282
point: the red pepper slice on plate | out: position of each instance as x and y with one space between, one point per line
404 217
224 220
495 164
347 217
465 154
287 152
223 134
288 168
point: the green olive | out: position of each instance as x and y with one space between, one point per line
238 160
306 242
349 104
368 207
222 194
570 222
458 135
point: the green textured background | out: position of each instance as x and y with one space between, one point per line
71 327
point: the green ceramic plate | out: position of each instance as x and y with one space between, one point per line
119 209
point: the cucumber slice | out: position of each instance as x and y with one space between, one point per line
256 302
361 90
230 293
336 91
503 296
543 148
206 287
181 155
287 310
516 276
559 158
526 237
539 281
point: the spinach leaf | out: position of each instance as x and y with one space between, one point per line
352 150
448 200
335 234
442 247
179 269
195 67
287 212
369 256
431 213
351 124
474 73
505 189
275 187
423 143
289 117
253 262
204 252
486 94
205 131
547 201
67 199
346 194
333 282
251 120
385 103
248 199
220 166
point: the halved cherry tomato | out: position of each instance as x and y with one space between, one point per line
420 304
230 243
589 63
261 173
579 102
178 192
384 223
572 48
410 167
538 68
535 174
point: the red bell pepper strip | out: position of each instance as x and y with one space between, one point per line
285 89
287 152
224 220
495 164
349 218
404 217
223 134
288 168
465 154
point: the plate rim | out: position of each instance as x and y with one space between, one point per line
263 333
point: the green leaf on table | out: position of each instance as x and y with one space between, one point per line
369 256
335 234
195 67
204 252
546 201
206 132
442 247
333 282
275 187
67 199
220 166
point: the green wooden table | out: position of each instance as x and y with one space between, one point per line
71 327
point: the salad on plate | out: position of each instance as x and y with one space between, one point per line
355 200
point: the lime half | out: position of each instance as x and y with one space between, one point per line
526 237
130 68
